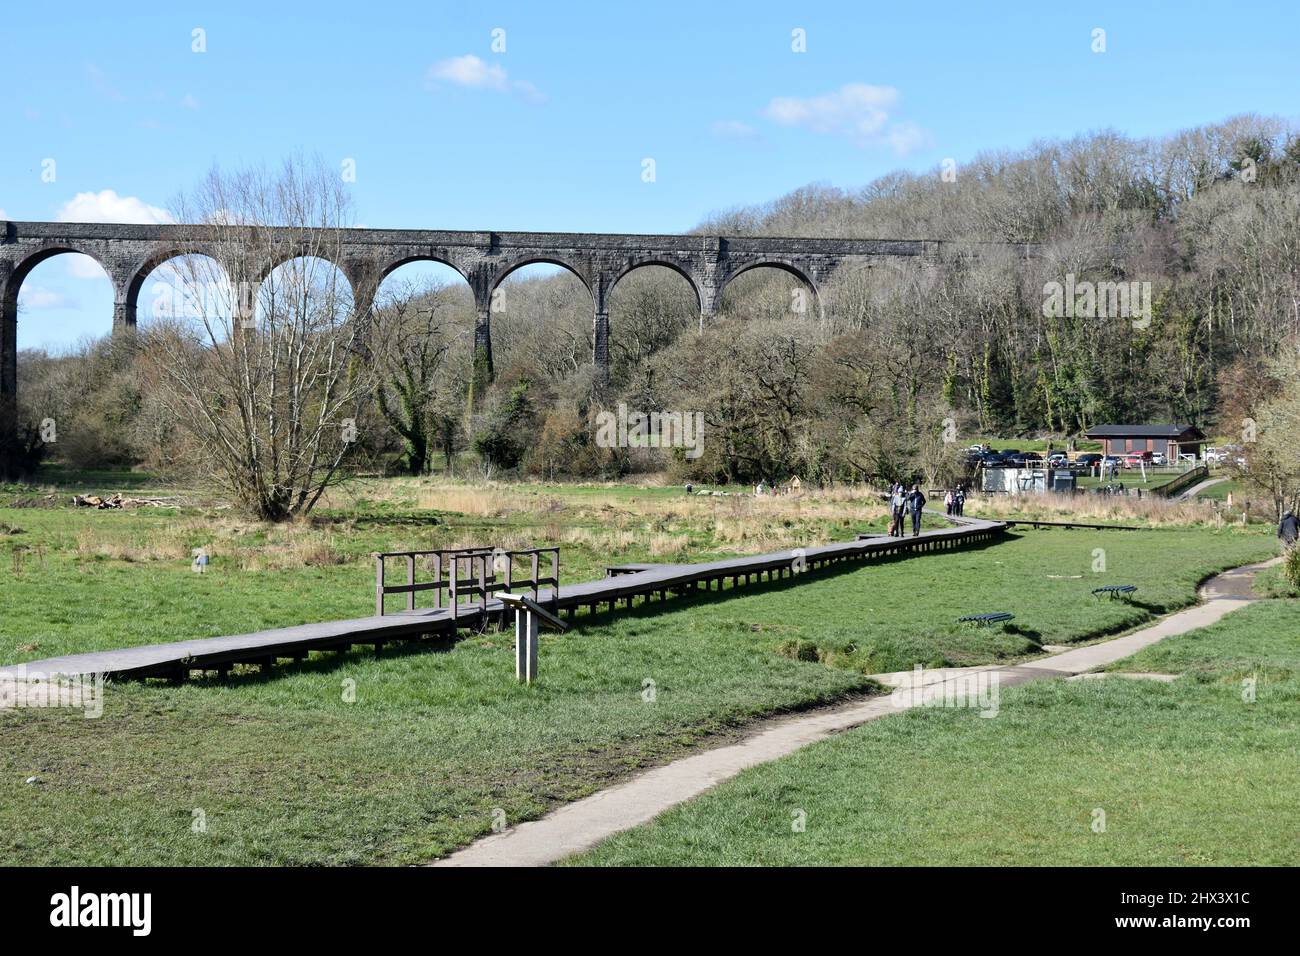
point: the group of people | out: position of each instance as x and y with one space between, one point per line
954 502
764 487
903 501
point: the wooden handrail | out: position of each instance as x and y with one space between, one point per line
465 574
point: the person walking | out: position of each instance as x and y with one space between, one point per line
959 501
896 510
915 502
1287 530
949 500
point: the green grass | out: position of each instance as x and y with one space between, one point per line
1221 491
287 772
1273 583
1188 773
92 480
1131 478
60 600
80 579
1261 641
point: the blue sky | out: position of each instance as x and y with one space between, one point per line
551 133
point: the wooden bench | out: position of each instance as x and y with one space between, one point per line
1115 590
987 620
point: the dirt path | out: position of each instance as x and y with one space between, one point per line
582 824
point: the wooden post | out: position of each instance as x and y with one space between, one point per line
379 585
526 632
482 582
455 574
410 582
529 618
437 576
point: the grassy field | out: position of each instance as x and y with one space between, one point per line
77 580
1221 491
82 579
437 745
1096 772
1272 583
284 770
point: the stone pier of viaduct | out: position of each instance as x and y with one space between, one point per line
129 253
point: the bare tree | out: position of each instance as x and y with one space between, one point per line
411 337
257 356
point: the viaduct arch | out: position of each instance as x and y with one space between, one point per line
130 252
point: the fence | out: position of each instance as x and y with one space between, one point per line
466 576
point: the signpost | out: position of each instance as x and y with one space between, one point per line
529 617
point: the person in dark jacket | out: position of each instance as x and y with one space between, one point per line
1288 530
915 502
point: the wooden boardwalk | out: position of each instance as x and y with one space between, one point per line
619 588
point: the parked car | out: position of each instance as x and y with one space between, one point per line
1136 459
1158 458
1226 454
1058 459
1086 462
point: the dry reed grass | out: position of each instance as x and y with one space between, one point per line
1099 509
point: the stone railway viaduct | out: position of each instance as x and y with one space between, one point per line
129 253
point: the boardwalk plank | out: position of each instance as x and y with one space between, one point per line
166 660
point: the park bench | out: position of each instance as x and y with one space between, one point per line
987 620
1115 590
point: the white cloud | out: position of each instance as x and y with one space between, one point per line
81 266
905 137
105 206
38 297
736 130
190 101
473 73
859 111
3 214
108 206
469 70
